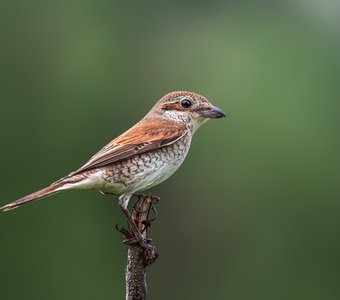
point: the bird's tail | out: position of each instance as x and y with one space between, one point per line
53 188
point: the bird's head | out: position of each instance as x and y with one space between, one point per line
188 107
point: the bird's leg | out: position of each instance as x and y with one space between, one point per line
124 232
123 203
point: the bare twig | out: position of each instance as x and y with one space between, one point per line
138 257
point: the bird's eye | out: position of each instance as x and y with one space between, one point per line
185 103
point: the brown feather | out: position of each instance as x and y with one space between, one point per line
37 195
146 135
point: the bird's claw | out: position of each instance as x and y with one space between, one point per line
155 200
134 237
137 204
135 233
124 232
149 254
144 242
135 240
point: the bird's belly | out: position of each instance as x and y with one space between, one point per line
155 176
146 170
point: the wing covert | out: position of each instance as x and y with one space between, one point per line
146 135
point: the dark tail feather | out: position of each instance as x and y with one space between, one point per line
34 196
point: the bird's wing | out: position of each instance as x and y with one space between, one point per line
148 134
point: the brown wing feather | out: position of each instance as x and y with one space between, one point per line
148 134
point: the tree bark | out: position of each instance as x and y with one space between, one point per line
139 257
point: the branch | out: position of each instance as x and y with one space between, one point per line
138 257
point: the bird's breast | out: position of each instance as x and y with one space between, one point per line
145 170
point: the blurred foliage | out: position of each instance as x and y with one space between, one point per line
254 211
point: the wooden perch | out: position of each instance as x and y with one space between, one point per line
139 257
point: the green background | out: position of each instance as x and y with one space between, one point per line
253 213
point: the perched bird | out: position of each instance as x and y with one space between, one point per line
143 156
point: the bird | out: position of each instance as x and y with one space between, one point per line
140 158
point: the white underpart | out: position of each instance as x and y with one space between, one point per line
146 181
93 181
156 176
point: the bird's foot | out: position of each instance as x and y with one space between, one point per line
134 237
126 233
138 222
147 223
154 200
138 239
149 254
140 199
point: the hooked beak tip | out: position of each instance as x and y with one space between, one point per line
213 113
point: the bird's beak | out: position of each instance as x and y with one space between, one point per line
213 113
